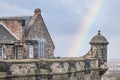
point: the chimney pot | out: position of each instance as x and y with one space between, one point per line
37 11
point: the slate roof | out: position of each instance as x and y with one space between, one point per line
18 18
16 25
6 36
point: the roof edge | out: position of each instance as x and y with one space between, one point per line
9 30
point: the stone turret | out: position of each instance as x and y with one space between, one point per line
99 48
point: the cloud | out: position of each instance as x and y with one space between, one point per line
62 44
78 7
8 9
63 16
113 47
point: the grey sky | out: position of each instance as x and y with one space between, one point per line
62 18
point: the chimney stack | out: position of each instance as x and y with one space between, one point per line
37 11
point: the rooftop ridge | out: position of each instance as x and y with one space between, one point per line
15 17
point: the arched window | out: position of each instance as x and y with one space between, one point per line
41 47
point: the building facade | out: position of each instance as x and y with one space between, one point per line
27 53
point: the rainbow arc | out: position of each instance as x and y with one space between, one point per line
84 28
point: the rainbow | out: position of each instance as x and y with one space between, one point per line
84 28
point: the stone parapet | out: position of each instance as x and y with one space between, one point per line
49 68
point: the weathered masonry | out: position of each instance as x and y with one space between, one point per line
27 53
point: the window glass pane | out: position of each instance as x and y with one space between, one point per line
1 51
30 51
41 47
20 52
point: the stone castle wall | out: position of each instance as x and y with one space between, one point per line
19 65
50 69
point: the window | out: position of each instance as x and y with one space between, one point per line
1 51
8 51
87 66
20 52
41 47
30 51
22 22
